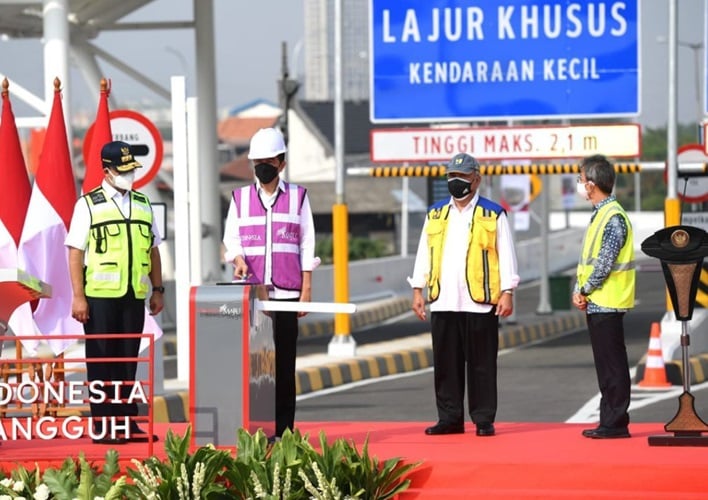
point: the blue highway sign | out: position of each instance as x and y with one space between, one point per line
466 60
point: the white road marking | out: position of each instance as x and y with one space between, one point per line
590 412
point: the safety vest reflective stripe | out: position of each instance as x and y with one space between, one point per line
259 250
286 247
618 266
109 277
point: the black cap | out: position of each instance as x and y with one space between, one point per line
462 163
117 154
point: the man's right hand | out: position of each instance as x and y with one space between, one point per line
580 301
80 309
418 305
240 268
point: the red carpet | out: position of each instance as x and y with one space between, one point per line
534 461
522 461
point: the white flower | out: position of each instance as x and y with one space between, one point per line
18 486
42 492
5 497
7 482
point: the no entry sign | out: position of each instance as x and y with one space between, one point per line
144 139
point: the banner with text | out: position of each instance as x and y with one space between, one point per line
436 60
506 143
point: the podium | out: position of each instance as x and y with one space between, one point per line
232 365
16 288
681 250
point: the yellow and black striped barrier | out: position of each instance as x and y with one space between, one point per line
518 169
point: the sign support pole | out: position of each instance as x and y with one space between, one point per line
181 213
544 306
342 344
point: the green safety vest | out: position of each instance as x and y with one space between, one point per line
618 289
118 251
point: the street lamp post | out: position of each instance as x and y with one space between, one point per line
696 47
182 60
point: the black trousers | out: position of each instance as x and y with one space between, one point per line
465 341
123 315
285 331
612 368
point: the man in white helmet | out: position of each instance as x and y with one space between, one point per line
270 238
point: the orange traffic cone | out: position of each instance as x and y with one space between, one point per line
654 369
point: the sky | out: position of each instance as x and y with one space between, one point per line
248 37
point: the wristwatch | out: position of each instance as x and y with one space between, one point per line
160 289
510 291
583 292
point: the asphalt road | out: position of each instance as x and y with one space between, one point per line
551 381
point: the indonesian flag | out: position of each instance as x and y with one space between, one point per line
42 249
101 136
13 207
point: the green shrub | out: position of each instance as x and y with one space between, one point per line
290 469
358 249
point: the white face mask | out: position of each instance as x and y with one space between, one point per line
582 190
124 181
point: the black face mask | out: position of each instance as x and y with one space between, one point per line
459 188
265 172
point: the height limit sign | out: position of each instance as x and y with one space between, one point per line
506 143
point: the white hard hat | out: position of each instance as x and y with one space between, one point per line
266 143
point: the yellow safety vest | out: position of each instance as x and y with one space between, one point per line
482 269
118 251
618 289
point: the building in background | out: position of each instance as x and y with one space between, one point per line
319 50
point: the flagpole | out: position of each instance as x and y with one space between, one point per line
55 21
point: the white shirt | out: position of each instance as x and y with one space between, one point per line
78 235
454 295
232 238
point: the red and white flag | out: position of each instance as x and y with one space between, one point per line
13 207
42 250
101 135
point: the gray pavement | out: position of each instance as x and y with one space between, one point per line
387 356
382 347
389 341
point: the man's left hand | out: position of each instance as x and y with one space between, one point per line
505 306
305 296
157 302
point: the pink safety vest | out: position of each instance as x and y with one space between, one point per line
283 239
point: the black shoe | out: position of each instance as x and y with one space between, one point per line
445 429
109 440
485 430
606 433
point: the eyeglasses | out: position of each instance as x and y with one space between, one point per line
580 179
